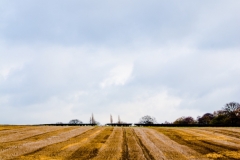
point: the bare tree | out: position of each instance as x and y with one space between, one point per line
147 120
231 107
75 121
93 120
119 121
90 120
232 110
111 120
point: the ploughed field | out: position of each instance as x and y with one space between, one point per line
127 143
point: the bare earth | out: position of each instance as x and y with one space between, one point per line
118 143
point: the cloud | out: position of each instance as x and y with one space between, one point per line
124 57
118 75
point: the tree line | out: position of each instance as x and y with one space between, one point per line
77 121
228 115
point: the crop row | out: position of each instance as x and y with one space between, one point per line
59 143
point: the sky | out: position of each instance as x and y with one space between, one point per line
63 60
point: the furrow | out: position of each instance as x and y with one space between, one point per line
17 130
177 143
125 154
29 147
23 134
216 138
112 148
134 148
170 149
225 132
35 138
90 150
63 150
149 149
208 149
4 128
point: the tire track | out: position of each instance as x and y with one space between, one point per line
63 149
35 138
90 150
16 130
8 128
169 150
225 132
25 148
173 145
112 149
26 133
145 151
134 150
215 138
125 154
208 149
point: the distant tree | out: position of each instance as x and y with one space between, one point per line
166 122
93 121
231 107
147 120
59 123
75 121
220 119
90 120
119 120
205 119
219 112
111 120
184 120
232 110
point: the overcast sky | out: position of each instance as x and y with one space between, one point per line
66 59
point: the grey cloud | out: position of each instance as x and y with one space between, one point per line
105 23
56 54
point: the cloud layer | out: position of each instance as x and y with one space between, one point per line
62 60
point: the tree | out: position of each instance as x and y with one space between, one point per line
184 120
111 120
166 122
92 119
119 120
147 120
205 119
232 110
75 121
231 107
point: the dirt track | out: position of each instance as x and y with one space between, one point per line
126 143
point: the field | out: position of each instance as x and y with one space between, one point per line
130 143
